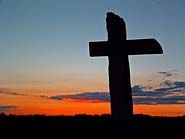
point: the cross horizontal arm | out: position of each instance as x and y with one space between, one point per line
143 46
133 47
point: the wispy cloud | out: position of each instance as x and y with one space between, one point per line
173 92
165 73
9 92
6 108
172 86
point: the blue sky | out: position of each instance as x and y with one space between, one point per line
47 40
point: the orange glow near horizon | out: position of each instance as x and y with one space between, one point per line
64 107
29 101
160 109
35 105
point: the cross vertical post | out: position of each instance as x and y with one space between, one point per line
119 73
117 48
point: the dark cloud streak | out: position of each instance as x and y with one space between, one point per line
171 93
6 108
94 96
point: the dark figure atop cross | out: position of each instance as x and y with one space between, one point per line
117 48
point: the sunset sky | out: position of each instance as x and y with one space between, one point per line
45 67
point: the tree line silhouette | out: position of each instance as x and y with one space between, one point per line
87 126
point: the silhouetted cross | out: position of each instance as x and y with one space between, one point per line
117 48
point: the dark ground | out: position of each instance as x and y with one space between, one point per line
87 126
